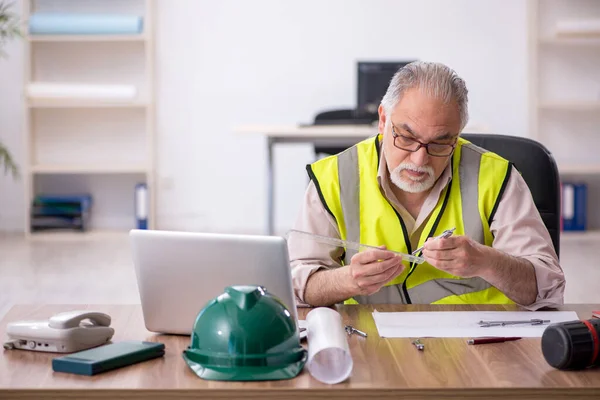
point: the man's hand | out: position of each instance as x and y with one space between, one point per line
457 255
462 256
370 270
367 273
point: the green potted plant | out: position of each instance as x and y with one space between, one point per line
9 29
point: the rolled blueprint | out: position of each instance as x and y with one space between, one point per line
329 358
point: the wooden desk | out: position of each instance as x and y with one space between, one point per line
383 368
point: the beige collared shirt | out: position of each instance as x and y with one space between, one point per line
517 227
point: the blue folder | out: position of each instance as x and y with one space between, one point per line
574 206
84 24
84 200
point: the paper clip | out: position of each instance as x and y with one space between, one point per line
487 324
420 346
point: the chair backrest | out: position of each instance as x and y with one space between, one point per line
538 168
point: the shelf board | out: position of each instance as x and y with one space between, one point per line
81 103
88 38
571 41
88 169
573 105
67 235
576 236
579 169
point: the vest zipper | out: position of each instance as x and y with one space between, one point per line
409 248
404 288
413 265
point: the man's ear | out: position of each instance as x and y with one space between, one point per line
382 119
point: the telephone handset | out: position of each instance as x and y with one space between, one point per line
66 332
72 319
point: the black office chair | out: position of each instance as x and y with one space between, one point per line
538 168
341 117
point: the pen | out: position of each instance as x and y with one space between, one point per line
492 340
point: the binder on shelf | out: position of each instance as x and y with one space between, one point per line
574 206
141 206
58 212
84 200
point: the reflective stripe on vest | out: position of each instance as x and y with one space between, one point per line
473 198
349 177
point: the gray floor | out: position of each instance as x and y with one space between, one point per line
100 271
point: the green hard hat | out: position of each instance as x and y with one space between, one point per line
245 334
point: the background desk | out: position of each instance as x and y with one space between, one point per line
383 368
324 135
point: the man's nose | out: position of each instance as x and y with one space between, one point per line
420 157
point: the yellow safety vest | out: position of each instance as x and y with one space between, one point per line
348 187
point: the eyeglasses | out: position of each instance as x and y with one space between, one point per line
433 149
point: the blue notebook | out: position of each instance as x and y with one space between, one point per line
108 357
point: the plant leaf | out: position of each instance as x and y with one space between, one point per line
7 161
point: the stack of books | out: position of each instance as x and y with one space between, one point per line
54 212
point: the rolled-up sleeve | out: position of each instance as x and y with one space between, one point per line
518 230
308 256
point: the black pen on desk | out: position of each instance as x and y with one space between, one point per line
492 340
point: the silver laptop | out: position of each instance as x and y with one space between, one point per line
178 273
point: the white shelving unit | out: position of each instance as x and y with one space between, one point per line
102 147
581 237
565 95
89 38
87 104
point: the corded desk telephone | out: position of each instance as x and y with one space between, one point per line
65 332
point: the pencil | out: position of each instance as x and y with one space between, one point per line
491 340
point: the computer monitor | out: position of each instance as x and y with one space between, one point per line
373 80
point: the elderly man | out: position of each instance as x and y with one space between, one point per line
411 182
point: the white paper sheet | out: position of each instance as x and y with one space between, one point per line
329 359
464 323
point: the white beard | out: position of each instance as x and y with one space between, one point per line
413 184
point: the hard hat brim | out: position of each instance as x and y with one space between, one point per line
244 373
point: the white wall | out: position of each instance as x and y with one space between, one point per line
232 62
12 210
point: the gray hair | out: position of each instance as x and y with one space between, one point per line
436 79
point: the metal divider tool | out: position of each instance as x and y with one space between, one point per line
351 245
446 234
